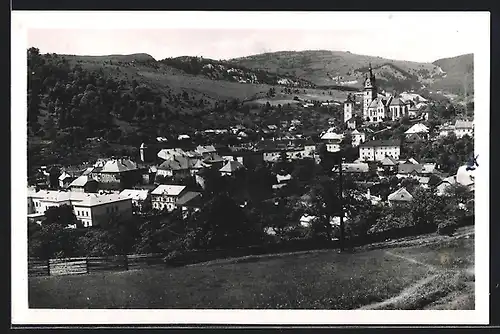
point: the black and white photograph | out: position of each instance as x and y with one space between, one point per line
250 167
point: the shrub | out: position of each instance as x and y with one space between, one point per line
447 227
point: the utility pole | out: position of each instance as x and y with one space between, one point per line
341 203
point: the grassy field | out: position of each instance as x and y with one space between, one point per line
396 278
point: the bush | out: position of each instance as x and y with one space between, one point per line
447 227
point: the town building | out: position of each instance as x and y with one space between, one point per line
357 138
90 209
84 183
141 198
399 197
377 150
359 167
332 141
230 168
190 202
165 196
176 166
463 128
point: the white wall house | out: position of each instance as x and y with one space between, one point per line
165 196
90 209
377 150
463 128
332 141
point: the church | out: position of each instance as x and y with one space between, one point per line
376 107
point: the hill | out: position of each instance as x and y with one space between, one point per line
459 72
130 99
339 68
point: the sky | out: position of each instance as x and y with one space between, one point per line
423 38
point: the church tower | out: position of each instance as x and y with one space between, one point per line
370 91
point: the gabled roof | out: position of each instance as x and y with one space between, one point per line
135 194
231 166
400 195
205 149
167 189
332 136
118 166
417 128
176 163
409 168
412 161
354 167
389 161
81 181
190 199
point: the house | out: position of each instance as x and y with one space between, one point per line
206 151
412 112
389 164
463 128
409 169
230 167
359 167
357 137
189 202
90 209
198 166
445 183
84 183
117 174
165 196
282 180
351 123
141 198
377 150
176 166
332 141
445 130
417 131
400 197
65 180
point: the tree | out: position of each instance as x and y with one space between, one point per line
426 208
60 216
221 223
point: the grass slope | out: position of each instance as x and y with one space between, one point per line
459 70
314 280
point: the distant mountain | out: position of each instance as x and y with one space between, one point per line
334 68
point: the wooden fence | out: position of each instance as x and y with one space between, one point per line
85 265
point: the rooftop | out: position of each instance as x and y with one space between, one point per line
380 143
400 195
135 194
118 166
231 166
169 190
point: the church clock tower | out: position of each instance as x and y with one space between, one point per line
370 91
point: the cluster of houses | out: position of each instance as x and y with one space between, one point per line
120 187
